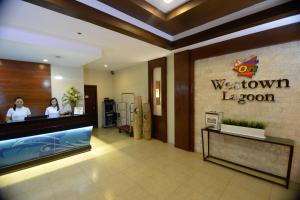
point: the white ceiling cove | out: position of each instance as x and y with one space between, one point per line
233 16
32 33
166 7
114 49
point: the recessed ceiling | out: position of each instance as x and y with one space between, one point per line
117 50
64 19
166 7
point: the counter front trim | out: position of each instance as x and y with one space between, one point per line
29 143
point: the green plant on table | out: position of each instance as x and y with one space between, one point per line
244 123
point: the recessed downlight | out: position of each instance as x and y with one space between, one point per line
45 60
168 1
58 77
105 65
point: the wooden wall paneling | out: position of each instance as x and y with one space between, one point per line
191 14
262 17
32 81
184 101
159 124
261 39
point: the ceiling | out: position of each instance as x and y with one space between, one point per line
96 46
191 22
125 33
166 5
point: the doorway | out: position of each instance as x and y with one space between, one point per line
157 88
91 103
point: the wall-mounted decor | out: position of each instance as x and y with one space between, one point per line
247 67
157 93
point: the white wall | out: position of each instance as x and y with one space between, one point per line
103 80
170 99
71 77
132 79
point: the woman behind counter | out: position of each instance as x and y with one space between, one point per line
18 112
53 110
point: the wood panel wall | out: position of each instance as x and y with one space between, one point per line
31 81
184 101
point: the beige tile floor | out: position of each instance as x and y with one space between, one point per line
119 167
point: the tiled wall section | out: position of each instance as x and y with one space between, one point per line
282 116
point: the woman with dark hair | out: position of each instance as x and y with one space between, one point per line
53 110
18 112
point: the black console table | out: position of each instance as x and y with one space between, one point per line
284 181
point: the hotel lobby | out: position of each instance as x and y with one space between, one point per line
149 99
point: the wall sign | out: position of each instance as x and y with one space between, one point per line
248 68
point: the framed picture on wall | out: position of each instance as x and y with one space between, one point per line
213 119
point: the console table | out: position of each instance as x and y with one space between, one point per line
280 180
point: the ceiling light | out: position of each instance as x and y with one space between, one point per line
58 77
45 60
168 1
105 66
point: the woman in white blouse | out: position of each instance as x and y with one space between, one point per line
18 112
53 110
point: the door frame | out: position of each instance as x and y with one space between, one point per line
93 86
159 62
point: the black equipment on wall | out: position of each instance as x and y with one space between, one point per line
109 115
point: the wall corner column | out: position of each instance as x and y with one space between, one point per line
184 100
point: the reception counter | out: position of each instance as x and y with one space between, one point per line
28 143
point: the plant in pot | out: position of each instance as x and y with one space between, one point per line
71 96
242 127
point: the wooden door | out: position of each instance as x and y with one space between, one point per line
90 101
157 88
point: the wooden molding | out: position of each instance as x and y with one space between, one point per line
147 13
83 12
269 15
261 39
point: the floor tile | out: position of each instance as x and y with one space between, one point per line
121 168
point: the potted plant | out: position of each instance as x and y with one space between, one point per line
71 96
245 128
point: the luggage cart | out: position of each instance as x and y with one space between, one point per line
125 110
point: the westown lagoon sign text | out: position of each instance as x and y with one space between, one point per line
248 68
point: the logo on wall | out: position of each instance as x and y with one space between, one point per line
234 90
246 68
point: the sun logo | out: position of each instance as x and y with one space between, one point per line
247 67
